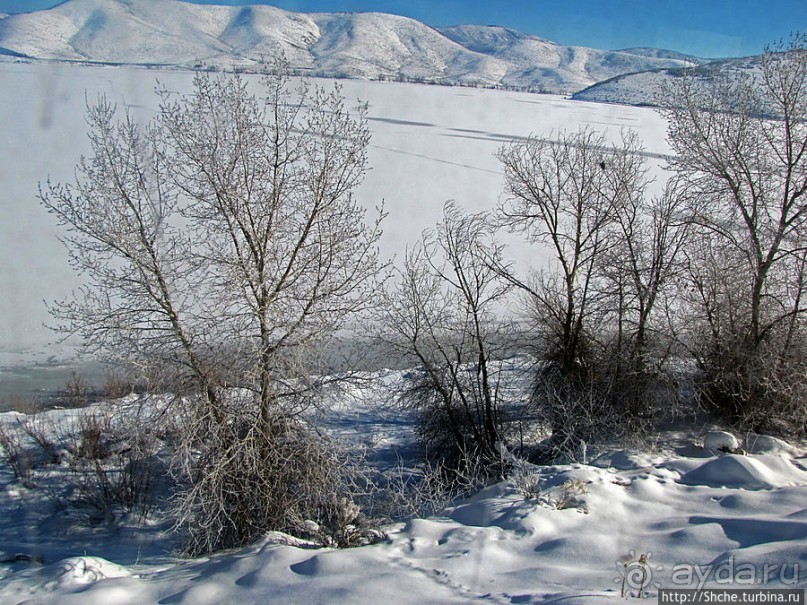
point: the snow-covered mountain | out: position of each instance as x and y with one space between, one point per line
538 63
360 45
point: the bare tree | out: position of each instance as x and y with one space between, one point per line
649 235
443 315
222 241
741 152
120 237
558 194
614 253
286 251
639 274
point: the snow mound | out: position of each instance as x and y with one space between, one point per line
746 472
76 572
624 460
720 441
765 444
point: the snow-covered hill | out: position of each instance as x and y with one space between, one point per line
647 88
538 63
361 45
659 53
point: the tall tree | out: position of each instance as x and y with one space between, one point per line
614 253
559 195
741 153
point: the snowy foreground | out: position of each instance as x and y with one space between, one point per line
701 518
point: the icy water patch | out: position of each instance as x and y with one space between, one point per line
40 381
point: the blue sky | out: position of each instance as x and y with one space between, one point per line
707 28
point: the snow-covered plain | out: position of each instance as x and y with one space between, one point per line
430 144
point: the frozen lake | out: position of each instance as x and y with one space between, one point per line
430 144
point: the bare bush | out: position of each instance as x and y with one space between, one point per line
113 465
17 456
118 384
122 482
570 494
76 391
29 443
19 403
40 429
240 481
526 479
110 463
429 487
344 526
443 316
95 436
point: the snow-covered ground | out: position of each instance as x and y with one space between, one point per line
675 516
430 144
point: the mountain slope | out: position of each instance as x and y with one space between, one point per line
658 53
362 45
537 61
373 45
648 88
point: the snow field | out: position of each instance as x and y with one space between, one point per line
429 144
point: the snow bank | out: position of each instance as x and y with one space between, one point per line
746 472
494 547
77 572
765 444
